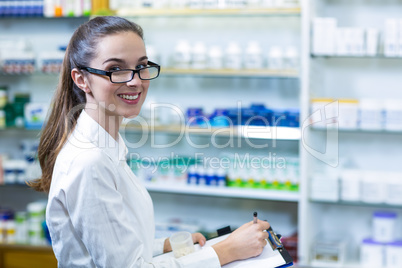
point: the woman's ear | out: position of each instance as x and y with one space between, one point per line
80 80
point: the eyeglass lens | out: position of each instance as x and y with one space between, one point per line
124 76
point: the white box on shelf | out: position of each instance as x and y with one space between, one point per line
35 115
393 192
318 34
372 37
324 187
384 224
350 184
323 112
371 253
391 38
393 115
340 42
330 36
373 187
393 254
358 48
349 41
348 113
324 35
370 114
400 38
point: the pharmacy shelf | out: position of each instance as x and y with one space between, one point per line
247 132
27 247
359 131
358 204
20 18
354 57
27 256
16 74
250 132
35 73
259 73
346 265
150 12
245 193
14 130
19 133
15 186
244 73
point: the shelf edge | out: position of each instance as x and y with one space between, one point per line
259 194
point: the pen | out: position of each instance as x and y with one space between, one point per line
255 217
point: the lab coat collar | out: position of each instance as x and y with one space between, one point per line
98 136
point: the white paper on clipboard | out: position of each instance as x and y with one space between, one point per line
267 259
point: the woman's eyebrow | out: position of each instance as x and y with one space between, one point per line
143 58
114 59
123 61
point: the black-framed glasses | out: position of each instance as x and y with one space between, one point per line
149 72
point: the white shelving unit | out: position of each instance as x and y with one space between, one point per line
346 77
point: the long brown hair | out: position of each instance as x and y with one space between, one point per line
68 99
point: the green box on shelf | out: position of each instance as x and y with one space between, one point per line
237 182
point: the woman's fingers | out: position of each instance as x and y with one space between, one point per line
264 224
199 238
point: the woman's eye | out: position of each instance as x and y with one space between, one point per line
115 68
140 66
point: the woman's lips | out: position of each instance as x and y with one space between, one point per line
130 98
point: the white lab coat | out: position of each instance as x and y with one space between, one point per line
98 212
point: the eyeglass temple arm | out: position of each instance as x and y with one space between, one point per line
96 71
153 63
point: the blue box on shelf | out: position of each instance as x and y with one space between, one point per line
248 116
293 117
279 118
219 118
195 117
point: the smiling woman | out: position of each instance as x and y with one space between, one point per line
99 214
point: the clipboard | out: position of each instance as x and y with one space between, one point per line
274 254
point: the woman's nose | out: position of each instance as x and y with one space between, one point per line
136 81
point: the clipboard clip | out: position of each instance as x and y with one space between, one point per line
274 239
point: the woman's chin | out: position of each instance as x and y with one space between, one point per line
131 116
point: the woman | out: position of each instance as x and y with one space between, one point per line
98 213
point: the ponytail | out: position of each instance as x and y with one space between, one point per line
60 124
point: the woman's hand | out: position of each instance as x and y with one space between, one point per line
197 238
247 241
